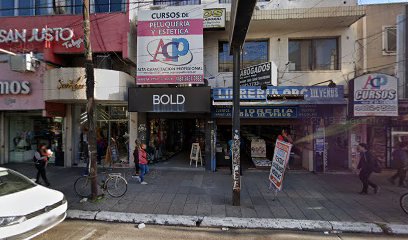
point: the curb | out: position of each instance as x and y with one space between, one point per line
249 223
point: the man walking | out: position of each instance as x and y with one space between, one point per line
367 165
400 156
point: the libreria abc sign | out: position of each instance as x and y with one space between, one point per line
375 95
170 46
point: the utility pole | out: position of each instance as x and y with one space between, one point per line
236 135
90 104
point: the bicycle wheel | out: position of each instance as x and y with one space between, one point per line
116 186
82 186
404 202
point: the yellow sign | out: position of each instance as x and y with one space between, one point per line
72 84
214 18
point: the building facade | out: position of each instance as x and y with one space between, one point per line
44 98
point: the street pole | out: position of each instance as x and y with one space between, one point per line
236 137
90 105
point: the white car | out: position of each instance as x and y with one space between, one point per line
27 209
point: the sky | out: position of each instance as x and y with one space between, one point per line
380 1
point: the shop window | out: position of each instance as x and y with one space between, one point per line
176 2
389 40
254 52
314 54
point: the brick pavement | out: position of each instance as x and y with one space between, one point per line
331 197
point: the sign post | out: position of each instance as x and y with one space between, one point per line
279 162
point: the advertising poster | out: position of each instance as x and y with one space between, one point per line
256 75
375 95
279 162
170 46
214 18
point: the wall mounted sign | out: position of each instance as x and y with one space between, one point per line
188 99
375 95
312 94
170 46
15 87
214 18
256 75
36 35
256 112
72 84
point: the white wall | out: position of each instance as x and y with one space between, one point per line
278 53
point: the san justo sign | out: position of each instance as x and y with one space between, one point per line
170 46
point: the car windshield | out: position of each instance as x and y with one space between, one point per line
11 182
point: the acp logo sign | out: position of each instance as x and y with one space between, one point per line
376 87
170 51
375 82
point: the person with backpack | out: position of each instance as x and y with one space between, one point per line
41 159
367 165
144 169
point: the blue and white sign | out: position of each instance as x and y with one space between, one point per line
257 112
313 94
375 95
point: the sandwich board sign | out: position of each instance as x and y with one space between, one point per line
279 162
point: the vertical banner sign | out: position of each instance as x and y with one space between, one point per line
375 95
279 162
170 46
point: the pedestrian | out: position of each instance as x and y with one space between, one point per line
400 158
367 165
144 169
136 158
41 159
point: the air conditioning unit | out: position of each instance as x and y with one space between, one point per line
22 63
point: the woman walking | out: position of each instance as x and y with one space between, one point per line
41 159
367 165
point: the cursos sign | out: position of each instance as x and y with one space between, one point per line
170 46
375 95
15 88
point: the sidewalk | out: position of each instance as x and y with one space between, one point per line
306 196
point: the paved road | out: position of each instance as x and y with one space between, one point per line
84 230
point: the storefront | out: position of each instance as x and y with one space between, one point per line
65 87
23 125
170 120
374 117
313 124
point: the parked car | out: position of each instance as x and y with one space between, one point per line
26 208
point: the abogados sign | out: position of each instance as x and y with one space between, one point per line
189 99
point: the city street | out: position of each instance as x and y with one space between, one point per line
84 230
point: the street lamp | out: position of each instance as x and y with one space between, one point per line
331 84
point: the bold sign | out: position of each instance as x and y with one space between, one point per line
257 75
375 95
214 18
257 112
170 46
315 94
14 88
189 99
279 162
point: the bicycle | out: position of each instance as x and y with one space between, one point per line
404 202
114 184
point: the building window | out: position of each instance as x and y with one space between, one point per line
176 2
6 8
254 52
314 54
390 40
105 6
229 1
42 7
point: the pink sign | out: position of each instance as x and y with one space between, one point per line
170 46
21 91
